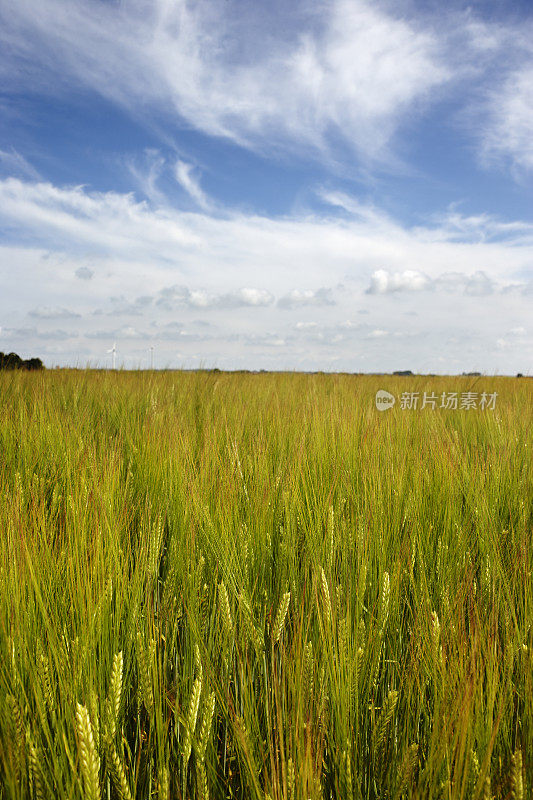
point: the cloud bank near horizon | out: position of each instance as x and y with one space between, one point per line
311 185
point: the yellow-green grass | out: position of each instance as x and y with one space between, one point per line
258 585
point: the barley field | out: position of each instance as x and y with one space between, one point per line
259 586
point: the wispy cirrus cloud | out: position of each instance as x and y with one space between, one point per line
13 163
508 127
350 68
185 176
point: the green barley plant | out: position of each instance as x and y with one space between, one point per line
259 586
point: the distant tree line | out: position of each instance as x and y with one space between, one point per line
13 361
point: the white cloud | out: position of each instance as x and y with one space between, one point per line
476 284
152 264
175 296
47 312
383 282
109 220
508 130
13 163
457 227
185 177
347 68
84 273
306 297
147 173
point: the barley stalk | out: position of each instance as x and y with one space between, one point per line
331 534
164 783
290 779
308 670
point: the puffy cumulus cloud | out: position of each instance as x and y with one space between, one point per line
306 297
384 282
48 312
175 296
476 285
294 76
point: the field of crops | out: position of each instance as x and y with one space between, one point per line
259 586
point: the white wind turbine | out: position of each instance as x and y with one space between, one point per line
151 357
114 352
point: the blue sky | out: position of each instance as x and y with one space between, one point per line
339 185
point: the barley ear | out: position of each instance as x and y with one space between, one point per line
16 737
225 609
36 770
201 781
145 676
118 771
326 600
280 618
205 728
517 779
190 723
89 760
384 604
115 689
382 725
